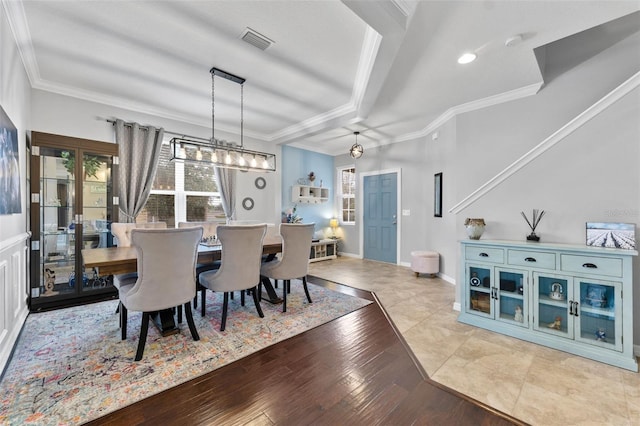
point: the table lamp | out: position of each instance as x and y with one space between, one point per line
333 223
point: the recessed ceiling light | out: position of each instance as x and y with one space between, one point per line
467 58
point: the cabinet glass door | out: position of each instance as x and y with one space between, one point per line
553 312
97 207
512 305
598 313
57 227
480 290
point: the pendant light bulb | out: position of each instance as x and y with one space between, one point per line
199 154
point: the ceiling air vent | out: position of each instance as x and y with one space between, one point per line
256 39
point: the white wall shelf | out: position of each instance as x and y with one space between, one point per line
309 194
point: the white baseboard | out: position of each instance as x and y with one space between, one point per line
456 306
355 256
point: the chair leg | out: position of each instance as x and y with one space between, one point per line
289 286
192 325
123 321
241 297
225 304
203 300
143 335
256 301
195 298
306 289
180 314
284 295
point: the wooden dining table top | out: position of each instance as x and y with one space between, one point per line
122 260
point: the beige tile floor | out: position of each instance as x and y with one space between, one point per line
538 385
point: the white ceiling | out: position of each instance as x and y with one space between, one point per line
385 68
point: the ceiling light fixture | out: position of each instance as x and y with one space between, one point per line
467 58
221 153
356 150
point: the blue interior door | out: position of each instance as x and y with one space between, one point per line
380 217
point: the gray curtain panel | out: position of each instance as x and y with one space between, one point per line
139 151
226 179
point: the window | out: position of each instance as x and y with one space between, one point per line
347 179
182 191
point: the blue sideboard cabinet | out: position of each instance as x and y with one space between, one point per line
573 298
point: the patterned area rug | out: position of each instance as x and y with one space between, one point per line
70 365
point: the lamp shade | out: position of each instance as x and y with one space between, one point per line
333 223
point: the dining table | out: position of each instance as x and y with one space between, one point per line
107 261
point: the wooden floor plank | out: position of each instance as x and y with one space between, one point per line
354 370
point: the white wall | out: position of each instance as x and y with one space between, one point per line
14 99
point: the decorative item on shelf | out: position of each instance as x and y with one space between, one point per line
218 152
556 324
533 224
356 150
333 224
290 216
49 282
311 176
556 292
72 279
601 335
475 227
596 296
474 281
518 314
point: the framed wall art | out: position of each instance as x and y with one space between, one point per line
10 202
437 195
612 235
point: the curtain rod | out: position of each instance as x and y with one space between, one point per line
166 131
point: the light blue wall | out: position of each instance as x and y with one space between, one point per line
297 163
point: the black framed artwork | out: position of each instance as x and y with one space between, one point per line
437 195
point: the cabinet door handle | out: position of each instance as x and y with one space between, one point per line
483 254
530 259
575 309
589 265
571 307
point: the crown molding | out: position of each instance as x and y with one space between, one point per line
346 112
500 98
20 29
559 135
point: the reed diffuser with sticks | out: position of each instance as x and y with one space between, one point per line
537 215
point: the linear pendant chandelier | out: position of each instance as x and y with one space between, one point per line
218 152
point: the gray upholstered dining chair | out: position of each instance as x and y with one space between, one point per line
122 233
239 265
294 261
166 277
209 229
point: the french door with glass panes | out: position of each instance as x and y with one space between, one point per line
72 208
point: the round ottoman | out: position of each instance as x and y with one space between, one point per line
425 262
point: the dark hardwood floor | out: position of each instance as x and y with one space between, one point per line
355 370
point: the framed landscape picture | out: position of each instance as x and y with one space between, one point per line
612 235
9 166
